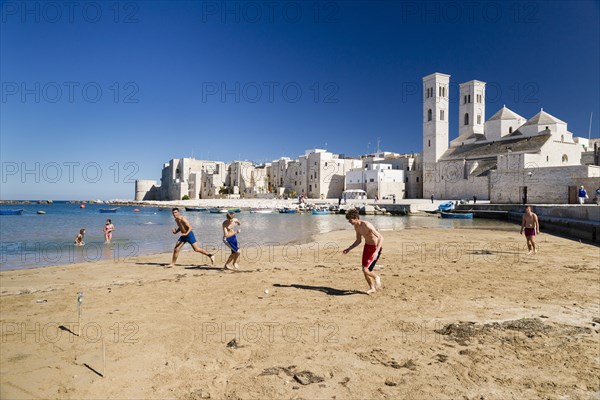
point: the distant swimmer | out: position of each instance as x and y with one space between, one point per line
371 251
531 225
79 238
230 240
187 236
108 230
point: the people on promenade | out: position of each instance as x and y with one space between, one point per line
79 238
186 236
474 199
531 226
432 199
230 240
582 195
371 250
598 196
108 230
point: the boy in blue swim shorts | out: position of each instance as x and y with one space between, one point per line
187 236
230 240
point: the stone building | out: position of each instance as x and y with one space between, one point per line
486 157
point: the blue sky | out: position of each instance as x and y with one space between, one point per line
97 94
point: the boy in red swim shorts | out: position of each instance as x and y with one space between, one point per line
371 251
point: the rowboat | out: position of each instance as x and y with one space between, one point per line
288 211
108 210
262 211
234 210
217 210
41 212
195 209
457 215
448 206
11 212
320 212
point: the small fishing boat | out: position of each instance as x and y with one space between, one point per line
218 210
320 212
195 209
261 211
11 212
288 211
108 210
447 206
234 210
41 212
457 215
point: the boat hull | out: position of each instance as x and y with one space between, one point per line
457 216
11 212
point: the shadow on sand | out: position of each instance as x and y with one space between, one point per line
327 290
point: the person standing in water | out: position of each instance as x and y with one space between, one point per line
108 230
79 238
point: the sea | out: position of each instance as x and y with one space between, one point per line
38 240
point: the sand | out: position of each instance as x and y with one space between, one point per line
464 313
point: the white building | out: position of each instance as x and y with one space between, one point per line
494 159
377 179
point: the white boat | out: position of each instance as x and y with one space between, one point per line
262 211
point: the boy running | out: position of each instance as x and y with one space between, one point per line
371 251
187 236
230 240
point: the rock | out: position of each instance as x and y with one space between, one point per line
596 320
307 377
390 383
233 344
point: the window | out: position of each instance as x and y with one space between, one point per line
547 158
466 118
562 138
441 115
429 115
406 179
469 97
479 120
417 179
565 159
444 91
371 180
429 143
510 129
465 100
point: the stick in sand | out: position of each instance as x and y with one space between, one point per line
79 303
103 359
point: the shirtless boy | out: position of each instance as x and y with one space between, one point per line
187 236
371 251
531 226
230 240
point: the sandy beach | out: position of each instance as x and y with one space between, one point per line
464 313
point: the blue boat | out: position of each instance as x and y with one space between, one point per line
108 210
320 212
447 206
234 210
457 215
11 212
196 209
217 210
288 211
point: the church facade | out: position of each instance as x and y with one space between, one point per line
506 159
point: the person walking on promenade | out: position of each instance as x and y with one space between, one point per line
582 195
187 236
371 250
531 226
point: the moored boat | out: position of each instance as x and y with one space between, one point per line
11 212
108 210
288 211
447 206
195 209
457 215
320 212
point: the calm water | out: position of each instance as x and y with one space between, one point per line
32 240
